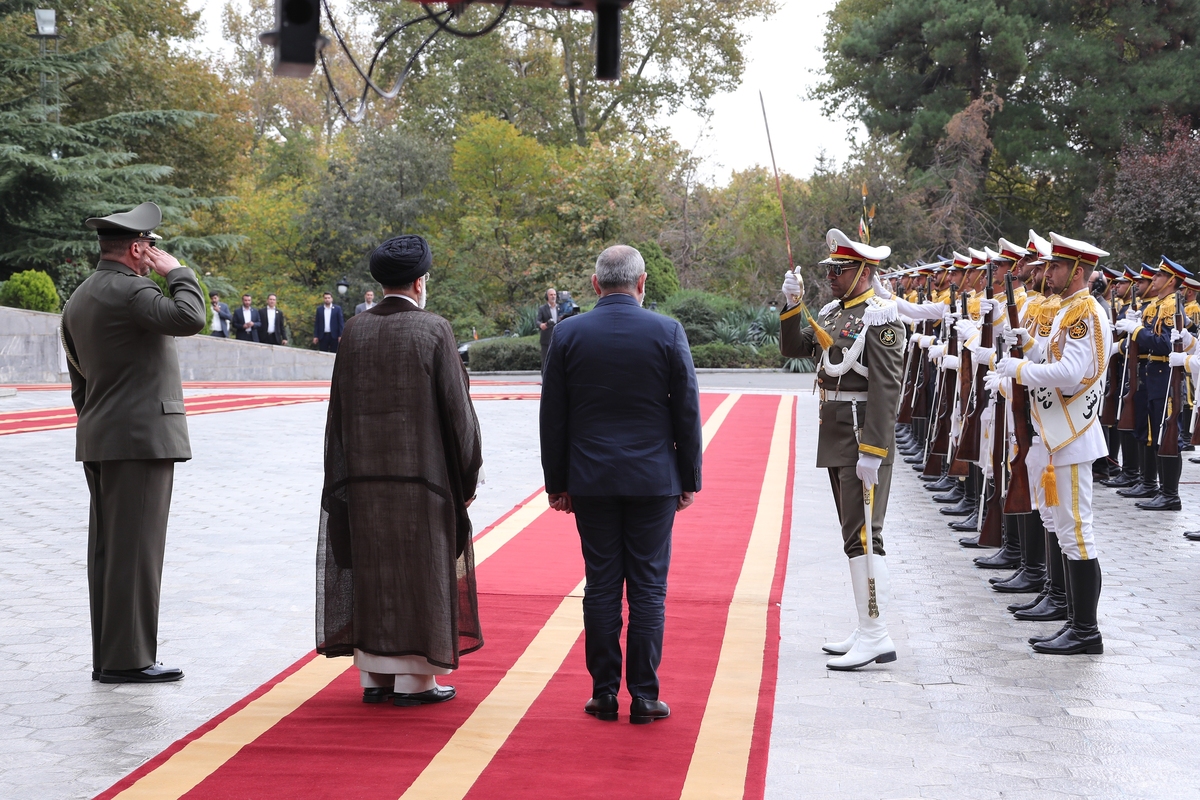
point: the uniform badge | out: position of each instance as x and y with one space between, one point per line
887 337
1079 330
1044 330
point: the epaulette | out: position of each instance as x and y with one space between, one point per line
828 307
880 312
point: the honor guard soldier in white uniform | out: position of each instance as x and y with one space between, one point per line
1065 373
860 342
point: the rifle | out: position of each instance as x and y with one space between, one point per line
986 339
1017 499
960 464
1168 440
1112 390
905 413
921 386
991 532
941 439
1125 413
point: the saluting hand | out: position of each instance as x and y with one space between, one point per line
161 261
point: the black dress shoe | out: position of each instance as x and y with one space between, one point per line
376 694
1161 502
914 459
1193 536
1050 609
1194 460
944 484
1021 583
603 707
155 673
1187 448
964 508
1001 559
968 524
1028 604
644 711
951 497
438 694
1121 480
1051 637
1139 490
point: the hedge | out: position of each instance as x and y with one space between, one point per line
717 355
699 313
32 290
505 354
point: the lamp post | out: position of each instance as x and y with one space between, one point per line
47 30
343 286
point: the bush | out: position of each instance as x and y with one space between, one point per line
32 290
662 280
699 313
718 355
505 354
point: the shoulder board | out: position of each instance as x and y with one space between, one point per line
880 312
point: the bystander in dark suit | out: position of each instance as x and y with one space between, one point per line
328 325
547 318
119 330
274 325
220 317
621 448
246 320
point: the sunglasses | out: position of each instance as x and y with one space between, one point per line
838 269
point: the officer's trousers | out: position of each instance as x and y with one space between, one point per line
127 533
848 494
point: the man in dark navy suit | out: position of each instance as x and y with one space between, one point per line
621 445
328 325
246 320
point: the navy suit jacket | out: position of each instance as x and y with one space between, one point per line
620 413
336 322
239 319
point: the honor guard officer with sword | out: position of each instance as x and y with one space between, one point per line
861 343
118 331
1066 377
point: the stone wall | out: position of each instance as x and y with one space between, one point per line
31 352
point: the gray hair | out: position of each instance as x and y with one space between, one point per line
619 266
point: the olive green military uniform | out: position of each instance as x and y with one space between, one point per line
878 394
118 330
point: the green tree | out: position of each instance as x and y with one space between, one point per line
661 279
30 289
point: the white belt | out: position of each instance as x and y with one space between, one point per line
843 397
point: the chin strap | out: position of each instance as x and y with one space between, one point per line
857 277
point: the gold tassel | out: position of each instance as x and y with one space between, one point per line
823 338
1050 485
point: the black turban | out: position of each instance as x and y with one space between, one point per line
401 260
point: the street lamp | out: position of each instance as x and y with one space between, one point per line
343 286
47 31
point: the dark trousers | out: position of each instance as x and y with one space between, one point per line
127 534
626 545
328 343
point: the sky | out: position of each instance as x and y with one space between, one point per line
783 61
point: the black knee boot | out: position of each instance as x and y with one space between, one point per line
1053 603
969 500
1148 480
1009 554
1167 499
1082 635
1131 470
1032 575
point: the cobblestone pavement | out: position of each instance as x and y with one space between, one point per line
968 711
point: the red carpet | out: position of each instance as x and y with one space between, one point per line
332 745
48 419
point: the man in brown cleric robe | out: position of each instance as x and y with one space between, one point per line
395 568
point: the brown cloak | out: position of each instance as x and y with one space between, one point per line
395 567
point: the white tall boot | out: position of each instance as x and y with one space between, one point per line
842 647
873 644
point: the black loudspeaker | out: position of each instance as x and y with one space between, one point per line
296 38
608 41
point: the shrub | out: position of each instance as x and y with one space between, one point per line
699 313
662 280
504 354
719 355
526 323
32 290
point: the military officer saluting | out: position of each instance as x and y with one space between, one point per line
118 330
860 341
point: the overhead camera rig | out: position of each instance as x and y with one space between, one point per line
299 44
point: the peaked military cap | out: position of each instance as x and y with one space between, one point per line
1076 250
140 221
1010 251
1147 271
841 248
1176 270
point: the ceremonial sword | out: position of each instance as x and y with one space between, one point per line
868 526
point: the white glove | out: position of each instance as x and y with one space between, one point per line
1127 325
1136 316
1014 337
1007 367
937 351
966 329
997 308
991 381
1177 359
1114 349
948 319
950 363
1182 335
793 287
867 468
983 355
926 342
915 339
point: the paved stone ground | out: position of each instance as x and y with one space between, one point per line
967 712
